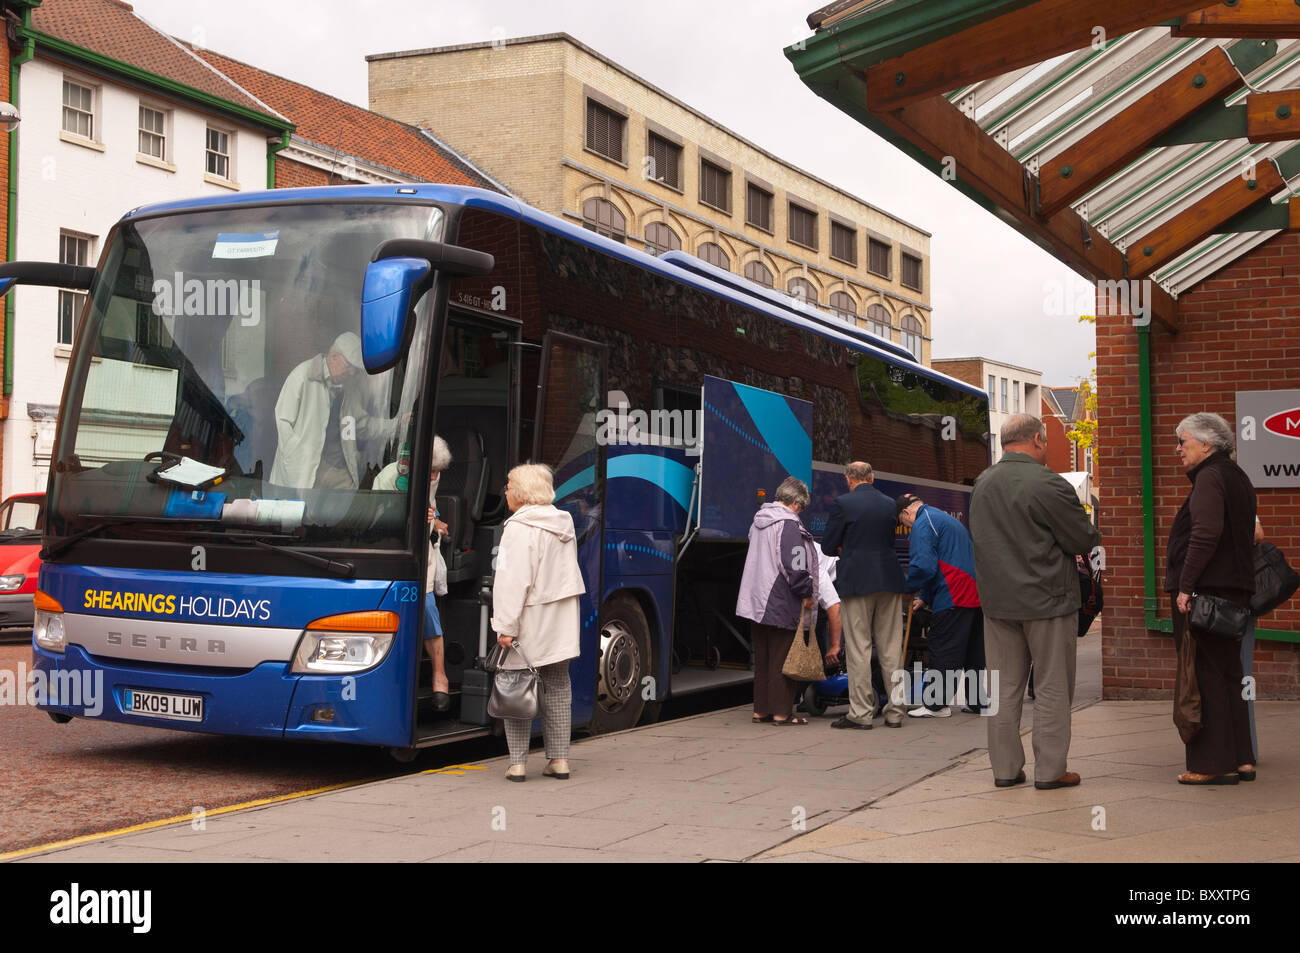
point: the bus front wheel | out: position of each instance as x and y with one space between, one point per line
625 683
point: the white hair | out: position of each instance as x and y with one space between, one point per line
1210 429
441 454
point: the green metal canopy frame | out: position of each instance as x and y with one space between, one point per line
835 61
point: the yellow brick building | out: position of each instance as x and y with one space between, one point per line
577 135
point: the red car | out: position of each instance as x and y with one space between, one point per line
22 520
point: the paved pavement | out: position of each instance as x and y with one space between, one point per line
718 788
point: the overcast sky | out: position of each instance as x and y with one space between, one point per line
990 285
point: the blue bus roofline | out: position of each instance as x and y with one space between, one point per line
420 193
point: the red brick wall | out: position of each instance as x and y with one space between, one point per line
4 231
1237 334
294 175
1060 449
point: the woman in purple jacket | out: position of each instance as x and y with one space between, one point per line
779 583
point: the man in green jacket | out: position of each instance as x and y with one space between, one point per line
1027 526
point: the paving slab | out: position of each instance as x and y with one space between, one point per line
716 788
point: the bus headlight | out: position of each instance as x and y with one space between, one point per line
345 643
12 583
47 626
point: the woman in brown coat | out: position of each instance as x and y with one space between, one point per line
1211 553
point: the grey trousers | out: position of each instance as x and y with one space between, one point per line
1009 646
557 717
874 621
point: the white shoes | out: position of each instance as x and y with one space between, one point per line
516 772
944 712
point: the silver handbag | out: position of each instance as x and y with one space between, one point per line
516 692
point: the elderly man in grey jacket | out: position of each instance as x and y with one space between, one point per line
1027 526
319 417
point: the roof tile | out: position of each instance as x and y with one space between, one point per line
112 29
340 126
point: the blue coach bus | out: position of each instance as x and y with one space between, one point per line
196 555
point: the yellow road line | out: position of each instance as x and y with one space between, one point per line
150 825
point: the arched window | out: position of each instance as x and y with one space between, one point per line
912 335
759 273
603 218
714 255
878 320
659 238
803 289
842 304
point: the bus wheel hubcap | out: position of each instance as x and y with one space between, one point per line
620 665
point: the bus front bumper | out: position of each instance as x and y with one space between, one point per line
263 702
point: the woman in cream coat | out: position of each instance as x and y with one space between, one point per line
535 603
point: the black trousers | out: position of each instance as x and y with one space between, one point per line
955 644
1223 742
773 692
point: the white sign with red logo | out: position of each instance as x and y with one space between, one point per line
1268 436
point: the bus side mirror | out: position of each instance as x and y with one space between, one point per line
386 296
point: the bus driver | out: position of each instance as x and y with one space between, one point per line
319 415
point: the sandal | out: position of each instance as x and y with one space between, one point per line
761 719
1191 777
792 720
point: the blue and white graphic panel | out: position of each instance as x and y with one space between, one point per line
753 439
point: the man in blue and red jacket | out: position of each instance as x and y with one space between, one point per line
941 572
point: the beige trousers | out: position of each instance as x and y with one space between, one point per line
1009 646
872 622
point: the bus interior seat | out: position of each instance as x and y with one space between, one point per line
463 488
254 413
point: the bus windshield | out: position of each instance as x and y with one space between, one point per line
218 384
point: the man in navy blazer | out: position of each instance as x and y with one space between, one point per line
869 580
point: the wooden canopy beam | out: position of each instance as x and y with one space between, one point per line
941 130
1273 117
1023 37
1247 19
1193 224
1092 160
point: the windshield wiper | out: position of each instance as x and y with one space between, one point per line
338 567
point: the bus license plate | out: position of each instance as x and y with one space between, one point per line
163 705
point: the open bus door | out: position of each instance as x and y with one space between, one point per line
752 440
570 395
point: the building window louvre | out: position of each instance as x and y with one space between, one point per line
842 304
605 131
78 109
665 163
659 238
73 250
878 321
715 186
758 207
911 335
218 153
878 255
804 290
603 218
153 136
911 272
714 255
760 274
803 226
844 243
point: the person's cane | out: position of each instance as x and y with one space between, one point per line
907 631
